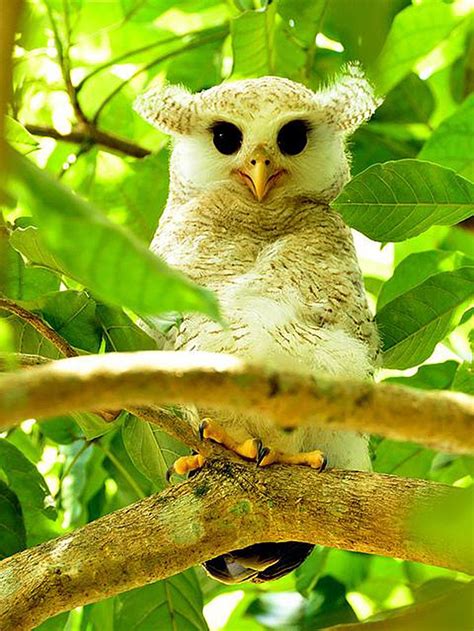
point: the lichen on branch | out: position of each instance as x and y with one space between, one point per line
227 505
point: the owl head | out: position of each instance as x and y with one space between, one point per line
264 139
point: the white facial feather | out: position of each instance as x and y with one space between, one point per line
319 168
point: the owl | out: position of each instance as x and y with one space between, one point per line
254 166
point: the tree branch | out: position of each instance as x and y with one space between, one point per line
443 420
89 134
39 325
226 506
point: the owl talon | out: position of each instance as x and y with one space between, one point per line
314 459
184 465
262 452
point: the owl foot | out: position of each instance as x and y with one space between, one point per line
249 449
314 459
185 465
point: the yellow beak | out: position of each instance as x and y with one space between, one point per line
260 175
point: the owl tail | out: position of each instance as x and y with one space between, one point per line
258 563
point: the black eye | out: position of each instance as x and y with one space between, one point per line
292 137
227 137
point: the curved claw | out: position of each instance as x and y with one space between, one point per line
262 452
202 426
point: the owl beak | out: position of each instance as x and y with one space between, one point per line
259 175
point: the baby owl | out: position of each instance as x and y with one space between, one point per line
254 166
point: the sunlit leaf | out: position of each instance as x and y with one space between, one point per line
18 136
414 322
416 268
451 144
415 32
430 377
24 282
28 241
398 200
112 262
304 18
252 43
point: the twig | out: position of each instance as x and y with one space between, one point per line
130 53
91 134
39 325
444 420
216 36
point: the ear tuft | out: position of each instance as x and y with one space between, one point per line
350 100
170 108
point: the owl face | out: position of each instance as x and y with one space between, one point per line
262 139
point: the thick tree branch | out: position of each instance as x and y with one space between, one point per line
439 419
87 133
226 506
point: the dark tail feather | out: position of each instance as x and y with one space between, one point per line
258 563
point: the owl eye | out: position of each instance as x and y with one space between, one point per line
292 137
227 137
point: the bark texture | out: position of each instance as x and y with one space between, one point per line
226 506
443 420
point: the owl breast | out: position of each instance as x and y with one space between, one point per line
290 289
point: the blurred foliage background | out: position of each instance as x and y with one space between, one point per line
78 65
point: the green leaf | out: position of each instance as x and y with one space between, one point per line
305 17
429 377
84 479
252 43
17 136
26 339
413 323
111 262
416 268
30 488
92 425
415 32
403 459
71 314
22 282
398 200
464 379
12 526
174 603
451 143
60 429
151 449
121 334
137 194
411 101
28 242
307 575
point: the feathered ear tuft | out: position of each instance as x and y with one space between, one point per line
170 108
350 100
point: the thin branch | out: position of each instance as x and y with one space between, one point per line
39 325
91 134
215 37
228 506
443 420
130 53
64 64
